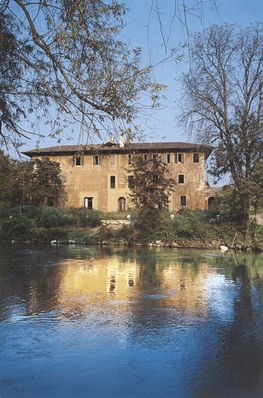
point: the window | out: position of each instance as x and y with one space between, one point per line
129 158
168 158
180 178
145 157
196 157
179 158
96 160
112 182
121 204
183 201
78 160
88 203
130 182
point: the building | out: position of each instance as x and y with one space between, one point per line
97 176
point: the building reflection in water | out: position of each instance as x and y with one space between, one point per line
85 285
144 323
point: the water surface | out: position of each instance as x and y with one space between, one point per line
100 322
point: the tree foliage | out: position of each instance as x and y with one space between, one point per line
223 102
62 62
39 182
150 183
36 183
5 178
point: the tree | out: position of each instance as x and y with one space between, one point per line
150 183
37 183
63 62
257 186
223 102
10 76
5 177
46 183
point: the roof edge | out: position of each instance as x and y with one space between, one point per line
138 147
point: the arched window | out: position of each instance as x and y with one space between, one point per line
121 204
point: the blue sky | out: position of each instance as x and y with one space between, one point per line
143 29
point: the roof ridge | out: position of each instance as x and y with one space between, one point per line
162 146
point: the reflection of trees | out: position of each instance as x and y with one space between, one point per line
26 282
240 353
254 265
170 292
30 278
85 252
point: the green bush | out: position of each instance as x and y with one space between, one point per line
227 205
126 234
118 215
147 224
18 227
31 212
51 217
59 234
258 237
39 234
5 212
82 238
86 217
104 234
191 224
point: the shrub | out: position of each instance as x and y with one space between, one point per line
119 215
39 234
86 217
227 205
191 224
126 234
5 211
31 212
18 227
59 234
81 238
104 233
147 224
51 217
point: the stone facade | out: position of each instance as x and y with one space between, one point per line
96 176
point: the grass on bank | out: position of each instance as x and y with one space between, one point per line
83 226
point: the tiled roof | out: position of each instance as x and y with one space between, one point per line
115 148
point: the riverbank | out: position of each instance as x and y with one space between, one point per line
185 229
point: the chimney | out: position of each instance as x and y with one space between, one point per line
121 140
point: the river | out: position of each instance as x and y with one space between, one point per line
90 322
